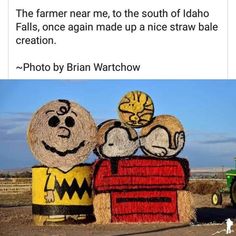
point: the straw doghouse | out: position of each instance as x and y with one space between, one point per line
142 189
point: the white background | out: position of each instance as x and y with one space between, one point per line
4 39
232 40
163 55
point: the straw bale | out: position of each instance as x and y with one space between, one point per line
102 208
136 109
61 134
115 139
164 137
185 205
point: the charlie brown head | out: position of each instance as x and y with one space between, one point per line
163 138
61 134
115 139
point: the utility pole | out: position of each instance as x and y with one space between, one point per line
223 172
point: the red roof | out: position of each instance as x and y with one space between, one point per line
140 173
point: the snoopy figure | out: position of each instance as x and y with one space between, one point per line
229 224
163 138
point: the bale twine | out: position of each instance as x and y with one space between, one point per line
102 208
61 134
115 139
136 109
164 137
186 210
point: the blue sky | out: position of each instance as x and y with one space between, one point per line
206 108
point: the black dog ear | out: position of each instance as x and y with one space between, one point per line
117 124
95 151
104 122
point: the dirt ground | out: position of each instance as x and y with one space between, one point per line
210 221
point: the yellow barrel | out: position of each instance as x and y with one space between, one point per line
55 192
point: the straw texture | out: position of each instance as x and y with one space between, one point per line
164 137
186 208
115 139
61 134
102 208
136 109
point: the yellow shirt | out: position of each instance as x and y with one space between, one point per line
70 188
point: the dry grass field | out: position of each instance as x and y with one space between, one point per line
15 217
206 186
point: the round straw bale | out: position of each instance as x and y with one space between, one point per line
115 139
163 138
61 134
136 109
57 194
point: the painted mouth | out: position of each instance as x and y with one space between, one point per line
62 154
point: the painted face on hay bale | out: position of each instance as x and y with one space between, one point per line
61 134
115 139
136 109
163 138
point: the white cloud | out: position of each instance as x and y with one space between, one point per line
13 125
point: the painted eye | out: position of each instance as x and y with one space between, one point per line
53 121
69 121
110 144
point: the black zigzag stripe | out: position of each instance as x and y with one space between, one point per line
62 189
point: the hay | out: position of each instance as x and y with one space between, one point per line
115 139
144 206
72 188
56 193
102 208
39 220
140 173
136 109
186 210
164 137
61 134
205 186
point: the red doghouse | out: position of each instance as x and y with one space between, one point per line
143 189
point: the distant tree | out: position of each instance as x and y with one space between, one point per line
25 174
5 175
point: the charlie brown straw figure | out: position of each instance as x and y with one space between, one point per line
61 135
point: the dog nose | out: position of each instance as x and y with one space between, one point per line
64 132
